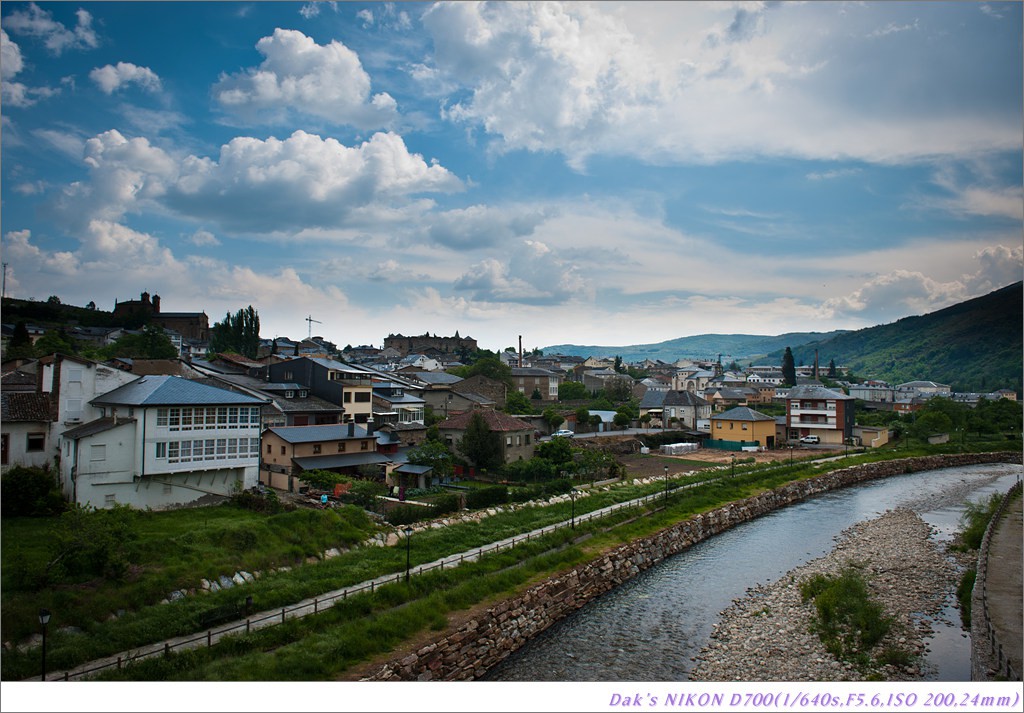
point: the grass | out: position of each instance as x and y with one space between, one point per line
184 545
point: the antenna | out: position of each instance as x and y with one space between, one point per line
311 320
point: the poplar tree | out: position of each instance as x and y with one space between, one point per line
788 368
239 333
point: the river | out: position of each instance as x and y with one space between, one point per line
649 628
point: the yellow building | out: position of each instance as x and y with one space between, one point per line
742 426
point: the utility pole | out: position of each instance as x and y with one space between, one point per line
3 290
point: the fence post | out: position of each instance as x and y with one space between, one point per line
209 640
67 676
282 614
246 626
315 605
167 649
118 663
344 594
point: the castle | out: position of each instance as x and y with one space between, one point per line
190 325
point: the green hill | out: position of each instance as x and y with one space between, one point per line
976 345
737 347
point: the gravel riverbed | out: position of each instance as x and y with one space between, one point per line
766 636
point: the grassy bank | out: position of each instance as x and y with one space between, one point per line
181 546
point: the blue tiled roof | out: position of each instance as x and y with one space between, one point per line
172 391
315 434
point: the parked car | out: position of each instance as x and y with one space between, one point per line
565 433
810 439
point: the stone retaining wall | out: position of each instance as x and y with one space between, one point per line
987 655
483 642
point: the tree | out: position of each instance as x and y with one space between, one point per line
53 300
20 346
536 395
572 391
434 454
582 415
151 343
239 333
617 366
788 368
552 418
622 419
480 444
91 306
56 340
617 389
516 402
832 368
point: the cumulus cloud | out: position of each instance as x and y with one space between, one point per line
701 82
18 248
10 57
902 292
15 93
110 77
480 226
203 238
532 274
38 23
300 77
256 185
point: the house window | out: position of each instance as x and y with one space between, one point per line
270 449
363 397
718 424
288 376
110 500
289 394
233 447
744 427
35 442
731 425
161 450
75 375
282 450
98 452
316 449
222 448
341 447
508 441
364 445
348 397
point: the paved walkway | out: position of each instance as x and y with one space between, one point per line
1005 588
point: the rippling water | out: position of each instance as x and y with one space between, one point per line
649 628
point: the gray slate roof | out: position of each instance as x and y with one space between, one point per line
98 426
742 413
811 391
316 434
173 391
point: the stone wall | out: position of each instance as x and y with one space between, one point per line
987 653
486 640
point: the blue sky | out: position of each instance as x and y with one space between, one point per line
605 173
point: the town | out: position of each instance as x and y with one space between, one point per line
165 413
203 423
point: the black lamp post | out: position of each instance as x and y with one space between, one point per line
572 497
791 454
44 619
666 486
408 539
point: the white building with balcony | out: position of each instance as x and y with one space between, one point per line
162 442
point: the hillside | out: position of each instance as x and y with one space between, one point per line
976 345
737 347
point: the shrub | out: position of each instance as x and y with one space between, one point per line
848 622
446 503
29 492
486 497
975 520
407 514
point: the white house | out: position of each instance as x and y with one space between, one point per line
162 442
24 430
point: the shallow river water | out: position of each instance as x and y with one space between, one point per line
649 628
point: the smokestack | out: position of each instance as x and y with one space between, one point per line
520 351
815 363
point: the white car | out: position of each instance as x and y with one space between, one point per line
810 439
565 433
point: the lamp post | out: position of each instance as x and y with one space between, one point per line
666 486
44 619
408 539
733 473
791 454
572 497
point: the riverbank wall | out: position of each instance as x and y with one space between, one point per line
484 641
989 658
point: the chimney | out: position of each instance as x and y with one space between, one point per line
351 429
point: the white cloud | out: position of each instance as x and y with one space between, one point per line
70 145
36 22
19 249
532 274
261 186
10 57
110 78
203 238
481 226
702 82
299 76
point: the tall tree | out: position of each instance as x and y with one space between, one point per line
152 343
20 346
832 368
480 444
239 333
788 368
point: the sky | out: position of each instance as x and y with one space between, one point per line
589 173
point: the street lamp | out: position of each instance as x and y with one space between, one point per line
572 497
791 454
408 539
666 486
44 619
733 466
